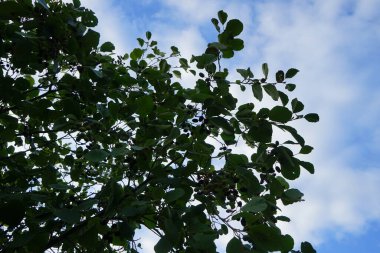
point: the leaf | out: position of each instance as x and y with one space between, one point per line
96 155
222 123
70 216
294 133
136 54
312 117
265 69
76 3
297 106
177 73
148 35
262 132
306 149
140 41
243 72
255 205
294 194
145 105
215 22
271 90
107 47
91 39
222 16
174 195
306 247
283 97
280 114
237 44
236 246
308 166
290 86
268 238
280 76
283 218
234 27
291 73
163 246
257 91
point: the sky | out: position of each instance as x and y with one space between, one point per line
336 46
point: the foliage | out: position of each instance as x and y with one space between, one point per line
94 146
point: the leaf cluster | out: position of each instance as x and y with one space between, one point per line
95 145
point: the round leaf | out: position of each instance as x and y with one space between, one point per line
312 117
280 114
234 27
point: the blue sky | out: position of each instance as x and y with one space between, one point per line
336 46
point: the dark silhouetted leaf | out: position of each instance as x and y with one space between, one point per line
291 73
280 114
312 117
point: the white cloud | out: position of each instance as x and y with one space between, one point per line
324 39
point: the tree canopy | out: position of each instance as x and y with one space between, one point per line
95 145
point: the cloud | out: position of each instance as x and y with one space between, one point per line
331 42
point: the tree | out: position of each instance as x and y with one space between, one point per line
94 145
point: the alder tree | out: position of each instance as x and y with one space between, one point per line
95 146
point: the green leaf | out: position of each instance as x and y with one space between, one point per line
215 22
262 132
222 123
306 149
234 27
148 35
290 86
70 216
294 133
145 105
265 69
306 247
271 90
96 155
291 73
257 91
283 97
107 47
237 44
174 195
283 218
312 117
269 238
91 39
76 3
280 114
255 205
140 41
280 76
243 72
136 54
236 246
177 73
308 166
163 246
222 16
293 194
297 106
